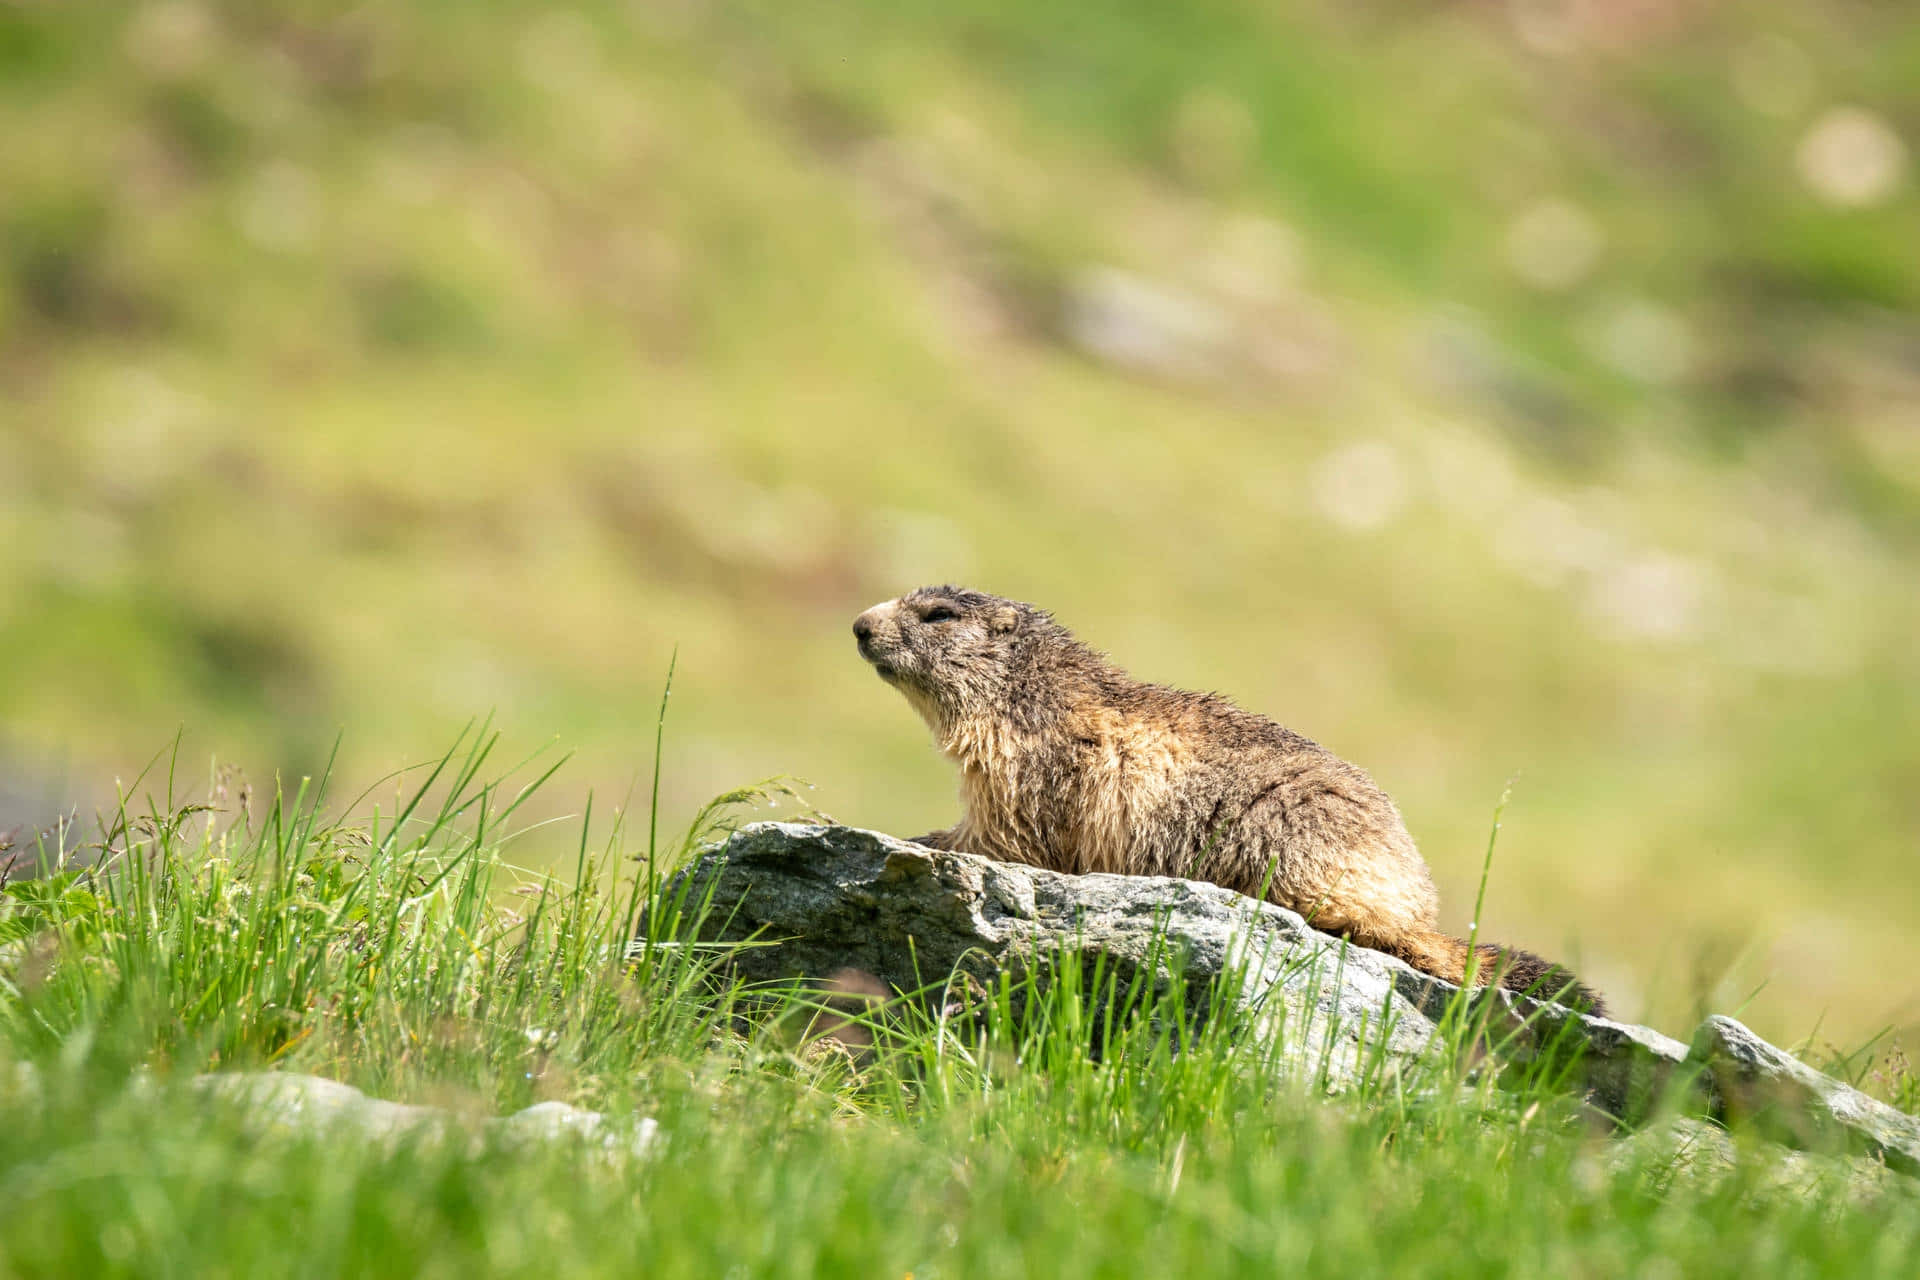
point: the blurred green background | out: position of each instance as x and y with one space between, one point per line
1477 387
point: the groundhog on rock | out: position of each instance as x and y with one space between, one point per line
1067 762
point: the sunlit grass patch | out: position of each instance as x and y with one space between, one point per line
1070 1116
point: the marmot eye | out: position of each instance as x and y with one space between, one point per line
939 613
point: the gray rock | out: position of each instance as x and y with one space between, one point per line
1769 1088
1144 326
281 1101
1683 1149
558 1121
40 804
821 903
286 1103
1626 1070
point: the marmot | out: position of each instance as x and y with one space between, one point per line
1067 762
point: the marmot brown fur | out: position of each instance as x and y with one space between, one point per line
1069 763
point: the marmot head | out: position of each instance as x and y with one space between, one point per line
949 650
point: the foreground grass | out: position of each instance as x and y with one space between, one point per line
404 953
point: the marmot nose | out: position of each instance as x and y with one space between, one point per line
863 628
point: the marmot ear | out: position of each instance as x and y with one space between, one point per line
1003 620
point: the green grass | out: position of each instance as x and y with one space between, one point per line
401 949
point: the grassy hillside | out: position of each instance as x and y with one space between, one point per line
381 952
1477 394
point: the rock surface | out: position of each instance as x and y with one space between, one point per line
1702 1153
1775 1091
289 1103
828 900
820 902
285 1102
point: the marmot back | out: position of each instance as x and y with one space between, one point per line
1067 762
